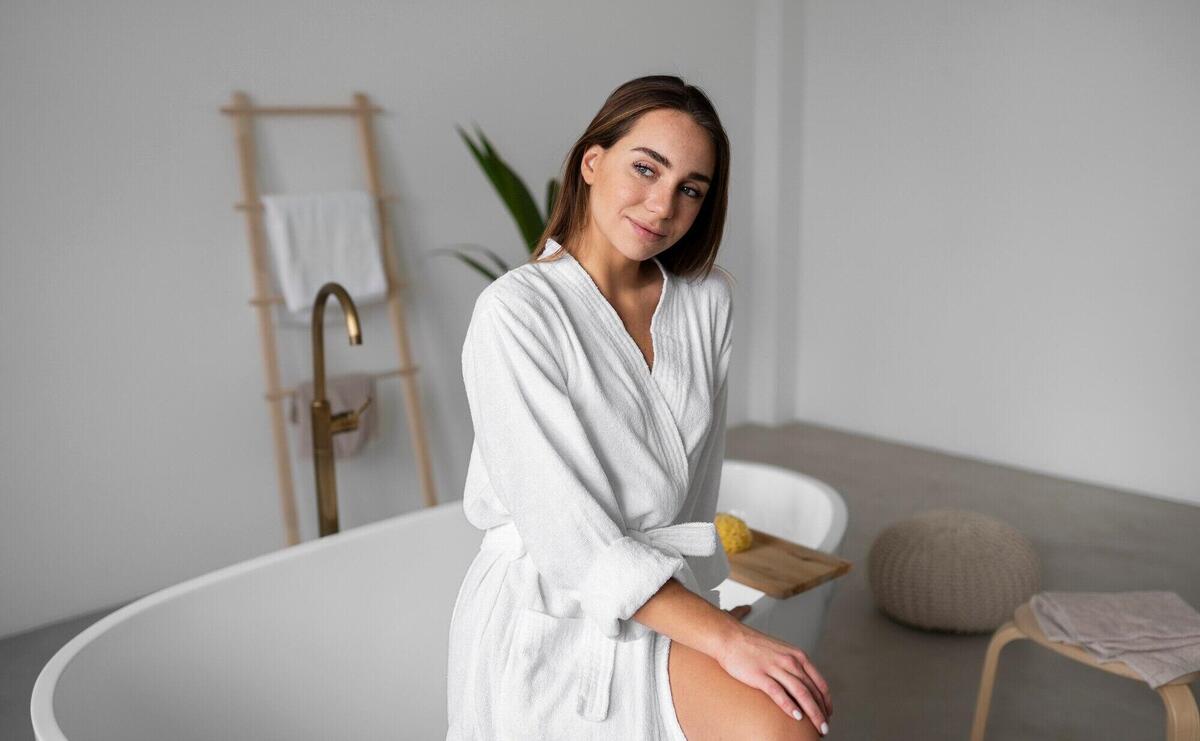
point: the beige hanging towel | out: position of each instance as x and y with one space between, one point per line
344 392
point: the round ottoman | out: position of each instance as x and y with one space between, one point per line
952 570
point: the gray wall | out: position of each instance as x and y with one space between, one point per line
136 444
965 226
1000 233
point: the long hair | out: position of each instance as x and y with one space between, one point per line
696 251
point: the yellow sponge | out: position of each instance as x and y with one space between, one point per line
735 533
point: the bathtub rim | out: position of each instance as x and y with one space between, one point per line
834 536
41 704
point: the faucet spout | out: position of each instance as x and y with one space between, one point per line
324 423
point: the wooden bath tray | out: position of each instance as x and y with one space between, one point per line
780 568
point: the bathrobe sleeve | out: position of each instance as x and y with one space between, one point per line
711 570
542 467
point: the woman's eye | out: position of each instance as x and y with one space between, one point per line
640 166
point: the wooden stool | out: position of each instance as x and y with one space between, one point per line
1183 718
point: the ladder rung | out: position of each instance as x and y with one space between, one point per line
266 301
276 110
243 206
410 370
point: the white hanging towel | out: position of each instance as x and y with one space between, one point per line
319 237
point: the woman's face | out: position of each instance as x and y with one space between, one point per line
657 176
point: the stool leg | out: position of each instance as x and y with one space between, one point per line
1183 719
1004 635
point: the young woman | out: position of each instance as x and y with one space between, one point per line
596 378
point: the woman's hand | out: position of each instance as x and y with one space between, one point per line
779 669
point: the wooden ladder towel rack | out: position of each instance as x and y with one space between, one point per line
243 114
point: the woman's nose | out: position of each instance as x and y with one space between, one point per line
661 202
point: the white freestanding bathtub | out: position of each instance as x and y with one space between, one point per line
345 637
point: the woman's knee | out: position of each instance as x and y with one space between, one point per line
763 719
776 726
712 704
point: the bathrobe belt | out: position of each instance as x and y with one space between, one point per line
596 667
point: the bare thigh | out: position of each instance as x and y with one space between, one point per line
713 706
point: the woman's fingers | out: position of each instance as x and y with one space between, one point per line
780 670
799 691
792 665
818 680
776 692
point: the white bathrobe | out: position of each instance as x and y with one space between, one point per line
595 479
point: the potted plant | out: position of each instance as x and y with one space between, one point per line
515 196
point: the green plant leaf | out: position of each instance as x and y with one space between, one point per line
501 266
509 187
477 266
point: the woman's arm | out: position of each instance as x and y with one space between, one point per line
686 617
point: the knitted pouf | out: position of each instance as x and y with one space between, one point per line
952 570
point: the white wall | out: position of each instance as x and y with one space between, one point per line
1000 229
135 443
965 226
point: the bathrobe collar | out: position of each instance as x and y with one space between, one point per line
653 381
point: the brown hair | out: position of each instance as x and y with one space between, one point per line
696 251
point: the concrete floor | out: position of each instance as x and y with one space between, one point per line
891 682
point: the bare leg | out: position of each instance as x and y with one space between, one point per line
713 706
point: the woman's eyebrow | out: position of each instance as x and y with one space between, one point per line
667 164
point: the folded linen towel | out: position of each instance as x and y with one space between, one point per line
344 393
1155 633
319 237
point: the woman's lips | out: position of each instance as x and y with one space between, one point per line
643 232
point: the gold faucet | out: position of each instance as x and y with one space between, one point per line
325 424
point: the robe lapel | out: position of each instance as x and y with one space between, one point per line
666 425
665 418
